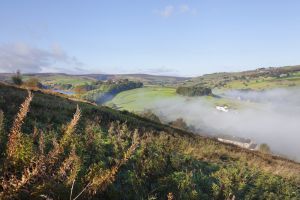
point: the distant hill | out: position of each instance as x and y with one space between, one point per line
145 78
261 78
62 78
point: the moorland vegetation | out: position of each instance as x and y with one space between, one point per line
54 147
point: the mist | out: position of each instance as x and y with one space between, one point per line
271 117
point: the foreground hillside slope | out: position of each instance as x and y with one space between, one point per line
55 154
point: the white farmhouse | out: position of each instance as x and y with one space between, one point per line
222 108
247 145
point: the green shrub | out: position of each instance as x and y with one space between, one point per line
194 91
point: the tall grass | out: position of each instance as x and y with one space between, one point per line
72 165
15 134
71 126
56 165
170 196
1 121
101 180
2 135
13 184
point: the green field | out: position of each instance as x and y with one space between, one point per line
264 83
253 80
60 79
63 79
138 99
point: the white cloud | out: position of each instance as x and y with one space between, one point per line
32 59
160 71
167 11
273 120
184 8
171 10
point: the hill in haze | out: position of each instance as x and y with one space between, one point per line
52 79
258 79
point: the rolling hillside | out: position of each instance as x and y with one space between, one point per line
147 79
52 79
103 159
259 79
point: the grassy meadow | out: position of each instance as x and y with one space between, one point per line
139 99
60 79
252 80
264 83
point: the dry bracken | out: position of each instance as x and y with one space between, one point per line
41 143
41 166
70 167
15 132
12 185
1 120
100 181
170 196
104 179
58 147
71 127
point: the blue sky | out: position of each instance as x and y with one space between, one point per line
168 37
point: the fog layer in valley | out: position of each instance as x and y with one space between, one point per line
273 117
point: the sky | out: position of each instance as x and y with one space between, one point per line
165 37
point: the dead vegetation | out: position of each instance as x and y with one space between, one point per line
53 165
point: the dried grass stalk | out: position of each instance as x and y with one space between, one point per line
16 132
12 185
100 183
170 196
2 134
71 127
58 147
40 167
70 167
104 179
41 143
1 120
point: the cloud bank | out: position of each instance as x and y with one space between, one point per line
273 117
31 59
164 71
